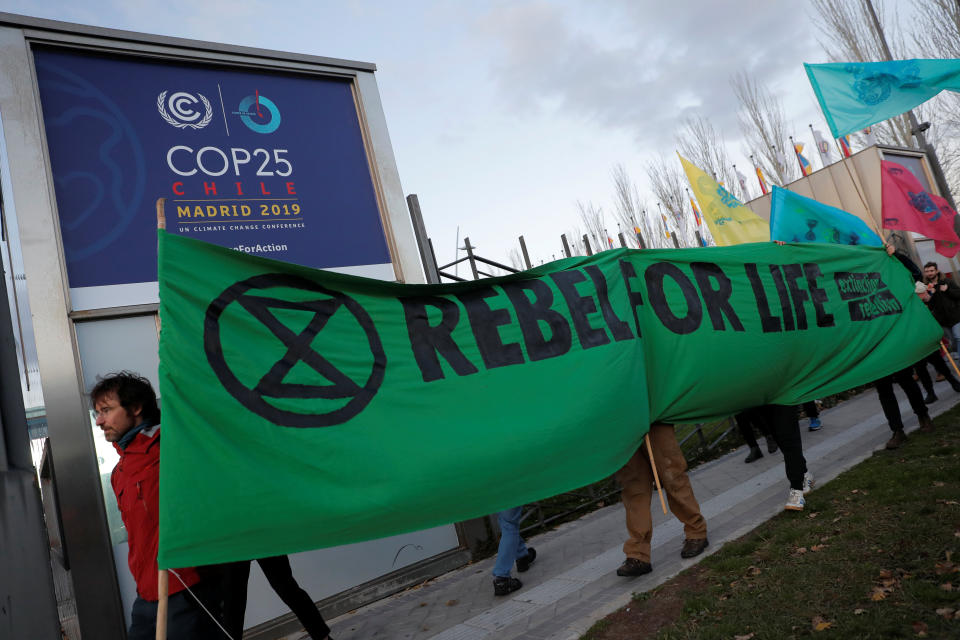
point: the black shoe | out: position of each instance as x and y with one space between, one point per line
524 563
931 397
755 454
693 547
926 425
771 445
633 567
503 586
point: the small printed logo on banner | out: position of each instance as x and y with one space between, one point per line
185 110
259 113
285 379
867 295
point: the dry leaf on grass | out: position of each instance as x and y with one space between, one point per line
819 624
753 571
878 594
859 612
746 637
920 628
947 586
946 613
801 550
818 547
937 483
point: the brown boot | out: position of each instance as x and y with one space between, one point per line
634 567
926 425
899 437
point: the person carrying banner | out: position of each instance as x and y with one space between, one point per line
233 587
784 424
127 412
943 301
512 548
636 478
746 421
934 359
813 414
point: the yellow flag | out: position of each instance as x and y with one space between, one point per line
729 220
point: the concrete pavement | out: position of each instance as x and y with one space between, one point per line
573 584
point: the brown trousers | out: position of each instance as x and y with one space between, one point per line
636 478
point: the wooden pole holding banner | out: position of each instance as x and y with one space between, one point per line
656 477
163 578
163 587
950 358
161 216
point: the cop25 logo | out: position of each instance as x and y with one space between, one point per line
185 110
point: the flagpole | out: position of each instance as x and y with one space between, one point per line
950 358
163 578
656 478
796 154
915 127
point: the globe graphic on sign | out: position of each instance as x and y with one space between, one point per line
97 160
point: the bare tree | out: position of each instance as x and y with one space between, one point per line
763 125
700 143
629 207
936 34
594 223
936 31
516 259
669 188
849 36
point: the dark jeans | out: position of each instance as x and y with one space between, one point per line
185 619
888 401
280 576
810 409
936 361
785 427
751 419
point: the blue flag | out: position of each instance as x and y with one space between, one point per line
855 95
794 218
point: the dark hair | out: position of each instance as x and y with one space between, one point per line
931 264
132 390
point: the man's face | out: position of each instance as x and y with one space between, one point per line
113 418
930 273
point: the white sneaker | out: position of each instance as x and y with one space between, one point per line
795 500
808 482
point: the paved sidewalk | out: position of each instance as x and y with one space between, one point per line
573 584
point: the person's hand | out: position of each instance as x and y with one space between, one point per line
890 249
779 242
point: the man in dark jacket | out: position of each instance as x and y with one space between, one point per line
944 302
127 412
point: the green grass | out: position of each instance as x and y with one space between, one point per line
876 554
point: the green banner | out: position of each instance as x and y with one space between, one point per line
305 409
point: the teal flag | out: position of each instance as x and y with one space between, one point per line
306 409
795 218
855 95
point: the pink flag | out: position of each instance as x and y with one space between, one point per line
908 207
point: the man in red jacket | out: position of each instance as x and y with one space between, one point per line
127 412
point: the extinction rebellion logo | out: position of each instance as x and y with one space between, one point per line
185 110
292 376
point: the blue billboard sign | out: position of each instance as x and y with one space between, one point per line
268 163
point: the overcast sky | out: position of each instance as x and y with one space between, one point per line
503 114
